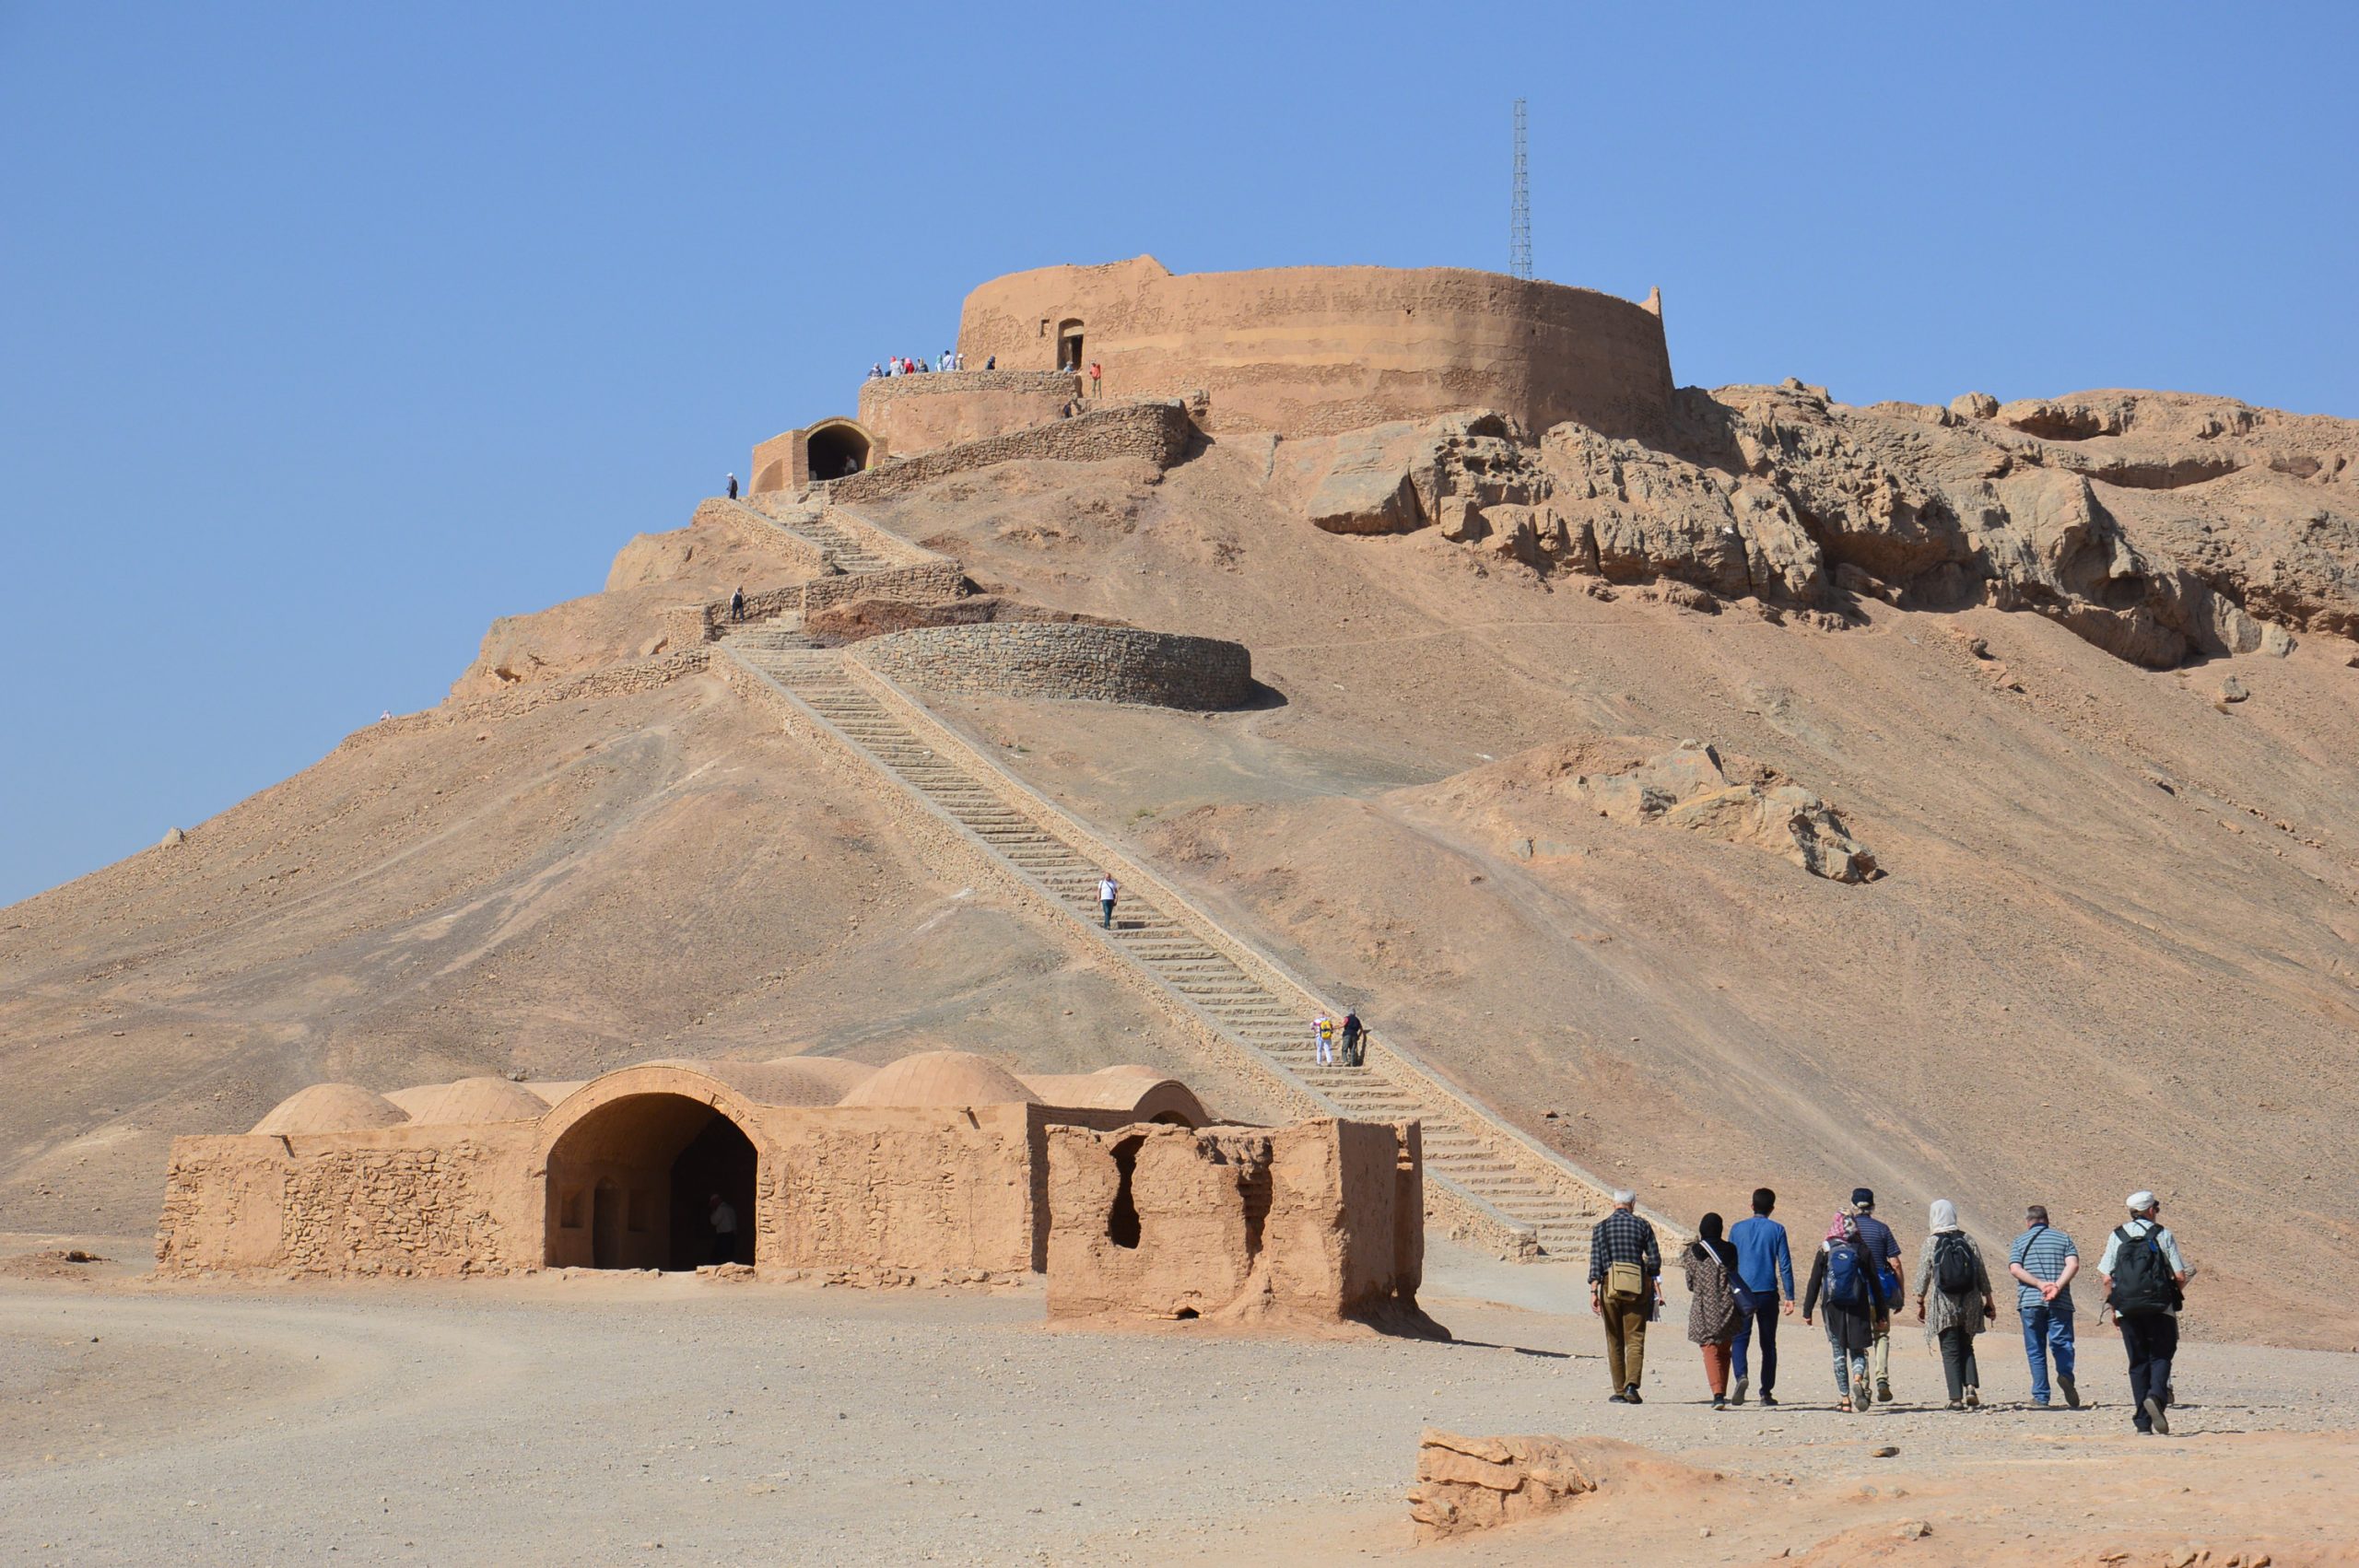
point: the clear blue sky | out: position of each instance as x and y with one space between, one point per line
328 332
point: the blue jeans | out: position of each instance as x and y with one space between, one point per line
1767 1316
2046 1328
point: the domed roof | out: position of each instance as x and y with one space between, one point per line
470 1099
1139 1091
844 1075
942 1078
787 1083
330 1108
549 1091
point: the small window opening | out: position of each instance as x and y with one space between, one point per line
1184 1314
1258 1194
1122 1219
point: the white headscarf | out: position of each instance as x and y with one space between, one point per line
1944 1215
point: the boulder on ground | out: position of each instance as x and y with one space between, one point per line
1474 1484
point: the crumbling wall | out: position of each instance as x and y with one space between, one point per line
919 413
1061 660
400 1200
926 1188
1317 1222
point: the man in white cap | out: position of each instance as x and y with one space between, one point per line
2144 1279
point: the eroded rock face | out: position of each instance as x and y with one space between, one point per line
1476 1483
2157 526
1688 788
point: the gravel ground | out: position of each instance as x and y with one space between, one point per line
668 1419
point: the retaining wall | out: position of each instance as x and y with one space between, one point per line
911 414
1157 430
1060 659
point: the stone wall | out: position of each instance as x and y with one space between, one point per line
1314 350
911 414
401 1200
1322 1220
923 584
1057 660
1157 430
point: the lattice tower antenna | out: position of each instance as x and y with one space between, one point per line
1519 222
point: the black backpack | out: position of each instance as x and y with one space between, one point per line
2141 1274
1954 1265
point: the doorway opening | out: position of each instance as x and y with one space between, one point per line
630 1185
1069 339
836 449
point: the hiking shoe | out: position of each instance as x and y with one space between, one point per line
1860 1400
2071 1394
1719 1401
1769 1401
1884 1392
1630 1395
1742 1385
1957 1404
1973 1397
1617 1399
2153 1408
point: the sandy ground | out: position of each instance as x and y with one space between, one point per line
664 1419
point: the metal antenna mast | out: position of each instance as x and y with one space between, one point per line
1519 225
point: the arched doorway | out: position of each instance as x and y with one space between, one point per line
1069 339
836 448
630 1184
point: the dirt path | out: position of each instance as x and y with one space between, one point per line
585 1420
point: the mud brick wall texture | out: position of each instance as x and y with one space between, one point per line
1157 431
1092 663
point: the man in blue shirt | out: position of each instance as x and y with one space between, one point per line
2042 1260
1766 1265
1884 1251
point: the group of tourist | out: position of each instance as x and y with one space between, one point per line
901 364
1325 1032
1740 1283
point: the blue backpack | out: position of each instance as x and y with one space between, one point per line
1847 1284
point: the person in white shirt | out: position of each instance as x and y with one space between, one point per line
2143 1279
1107 891
1322 1034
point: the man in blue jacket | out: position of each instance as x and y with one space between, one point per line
1766 1265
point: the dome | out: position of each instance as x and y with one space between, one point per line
789 1082
330 1108
469 1099
942 1078
550 1090
1137 1091
845 1075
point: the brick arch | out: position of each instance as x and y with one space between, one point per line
612 1158
831 443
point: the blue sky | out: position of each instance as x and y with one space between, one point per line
333 332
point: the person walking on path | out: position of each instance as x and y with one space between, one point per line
737 603
1764 1275
1625 1289
1856 1307
724 1230
2043 1261
1109 890
1712 1315
1096 380
1953 1286
2144 1282
1322 1039
733 487
1355 1055
1883 1250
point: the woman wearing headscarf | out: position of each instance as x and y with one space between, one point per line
1712 1315
1855 1306
1952 1279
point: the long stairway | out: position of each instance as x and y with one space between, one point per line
1520 1183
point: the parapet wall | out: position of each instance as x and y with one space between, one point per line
911 414
1315 350
1035 659
1157 431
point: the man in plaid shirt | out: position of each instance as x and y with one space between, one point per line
1623 1237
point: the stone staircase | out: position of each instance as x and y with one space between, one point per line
1509 1192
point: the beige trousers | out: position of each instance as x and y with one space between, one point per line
1625 1340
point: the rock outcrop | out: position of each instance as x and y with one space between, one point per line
2157 526
1476 1483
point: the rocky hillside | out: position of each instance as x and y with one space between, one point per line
1958 799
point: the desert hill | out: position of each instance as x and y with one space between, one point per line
2073 672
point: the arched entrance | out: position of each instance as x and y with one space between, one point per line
629 1185
835 448
1069 339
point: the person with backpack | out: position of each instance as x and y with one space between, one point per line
2145 1281
2043 1261
1625 1289
1955 1283
1883 1249
1355 1055
1710 1263
1764 1286
1856 1311
737 603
